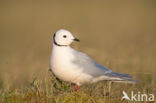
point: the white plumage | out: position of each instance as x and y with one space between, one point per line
76 67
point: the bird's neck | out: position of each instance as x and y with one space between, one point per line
61 49
61 52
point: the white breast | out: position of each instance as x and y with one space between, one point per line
63 68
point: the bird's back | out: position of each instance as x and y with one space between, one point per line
97 71
88 65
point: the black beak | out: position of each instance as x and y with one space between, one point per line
75 39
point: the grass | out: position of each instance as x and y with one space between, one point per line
117 34
52 90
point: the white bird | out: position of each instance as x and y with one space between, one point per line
76 67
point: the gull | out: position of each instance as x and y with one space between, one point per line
75 67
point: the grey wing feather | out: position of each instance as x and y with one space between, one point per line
88 65
94 69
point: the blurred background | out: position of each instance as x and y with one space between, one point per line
118 34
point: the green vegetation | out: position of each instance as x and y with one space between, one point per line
119 34
54 91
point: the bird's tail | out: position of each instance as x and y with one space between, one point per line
123 78
132 81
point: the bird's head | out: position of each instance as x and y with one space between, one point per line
63 38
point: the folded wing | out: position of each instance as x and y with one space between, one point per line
98 71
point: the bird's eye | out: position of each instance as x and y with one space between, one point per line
64 36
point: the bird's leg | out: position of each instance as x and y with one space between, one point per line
73 87
77 88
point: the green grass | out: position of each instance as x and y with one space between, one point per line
52 90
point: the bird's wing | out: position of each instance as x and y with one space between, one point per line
94 69
88 66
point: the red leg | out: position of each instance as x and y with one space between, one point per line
73 87
77 88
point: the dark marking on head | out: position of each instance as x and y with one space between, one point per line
56 42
